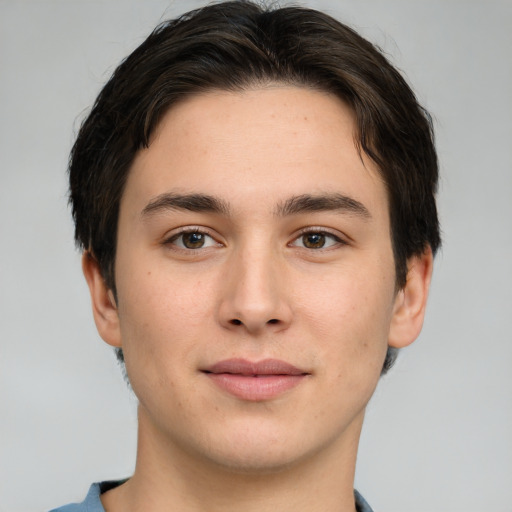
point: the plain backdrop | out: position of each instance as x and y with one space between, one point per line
438 433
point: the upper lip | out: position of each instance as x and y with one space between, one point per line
264 367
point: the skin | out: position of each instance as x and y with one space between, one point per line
258 288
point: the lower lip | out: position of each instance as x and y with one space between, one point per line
255 388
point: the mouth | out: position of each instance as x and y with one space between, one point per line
255 381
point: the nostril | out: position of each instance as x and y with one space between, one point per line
236 321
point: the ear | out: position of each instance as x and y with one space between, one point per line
104 306
411 301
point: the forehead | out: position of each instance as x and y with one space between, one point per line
257 146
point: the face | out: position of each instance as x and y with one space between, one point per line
255 279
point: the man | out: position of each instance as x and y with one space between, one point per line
254 193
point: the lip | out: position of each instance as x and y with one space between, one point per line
255 381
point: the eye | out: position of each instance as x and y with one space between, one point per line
192 240
317 240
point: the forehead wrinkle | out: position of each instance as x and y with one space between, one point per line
170 201
324 202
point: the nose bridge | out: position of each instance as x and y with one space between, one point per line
254 297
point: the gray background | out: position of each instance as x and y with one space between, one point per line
438 431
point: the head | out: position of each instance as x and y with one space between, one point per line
237 46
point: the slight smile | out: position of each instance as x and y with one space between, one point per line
255 381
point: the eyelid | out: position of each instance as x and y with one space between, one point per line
340 238
169 238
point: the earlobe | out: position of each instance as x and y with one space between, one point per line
411 301
104 305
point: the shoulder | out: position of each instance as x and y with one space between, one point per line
92 502
361 503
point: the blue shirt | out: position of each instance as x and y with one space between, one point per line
92 502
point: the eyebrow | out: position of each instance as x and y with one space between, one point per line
324 202
294 205
190 202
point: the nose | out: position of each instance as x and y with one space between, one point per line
254 296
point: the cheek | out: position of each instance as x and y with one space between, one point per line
164 296
162 317
349 313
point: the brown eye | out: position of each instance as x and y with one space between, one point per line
317 240
313 240
193 240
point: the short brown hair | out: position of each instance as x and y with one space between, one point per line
232 46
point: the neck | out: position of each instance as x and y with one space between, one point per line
169 478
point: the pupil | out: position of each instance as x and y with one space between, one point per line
314 240
193 240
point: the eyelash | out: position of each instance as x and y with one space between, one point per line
318 231
189 231
337 241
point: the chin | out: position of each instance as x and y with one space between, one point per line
260 451
255 462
